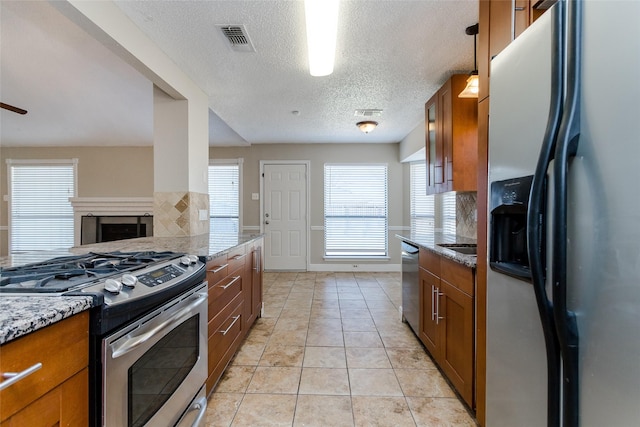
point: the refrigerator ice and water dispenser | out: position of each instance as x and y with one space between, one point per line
508 241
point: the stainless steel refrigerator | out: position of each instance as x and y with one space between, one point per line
563 284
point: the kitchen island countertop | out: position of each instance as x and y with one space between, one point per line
23 314
431 241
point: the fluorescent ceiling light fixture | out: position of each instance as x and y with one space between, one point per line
322 29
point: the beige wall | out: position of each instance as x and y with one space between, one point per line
318 155
128 172
102 172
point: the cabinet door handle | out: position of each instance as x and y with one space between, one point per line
433 304
219 268
226 331
438 295
518 8
237 257
235 279
14 377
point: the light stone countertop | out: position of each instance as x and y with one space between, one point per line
430 241
22 314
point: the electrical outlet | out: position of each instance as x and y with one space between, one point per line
203 214
355 266
255 196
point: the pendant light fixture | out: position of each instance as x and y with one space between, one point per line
322 28
471 91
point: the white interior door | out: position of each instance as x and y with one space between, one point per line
285 216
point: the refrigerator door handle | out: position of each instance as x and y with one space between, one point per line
566 148
536 218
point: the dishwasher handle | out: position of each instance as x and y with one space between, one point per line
410 250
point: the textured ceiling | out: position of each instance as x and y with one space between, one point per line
391 55
75 90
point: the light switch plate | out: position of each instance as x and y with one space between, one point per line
255 196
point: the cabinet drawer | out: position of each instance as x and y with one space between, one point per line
457 275
217 269
63 350
224 291
430 261
225 332
236 258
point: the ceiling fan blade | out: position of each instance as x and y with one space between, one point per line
12 108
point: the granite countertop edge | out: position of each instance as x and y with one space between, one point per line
21 315
431 241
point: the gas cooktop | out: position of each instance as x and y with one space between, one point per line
74 272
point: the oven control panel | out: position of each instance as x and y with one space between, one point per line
160 276
153 279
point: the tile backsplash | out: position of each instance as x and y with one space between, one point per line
466 215
178 214
456 213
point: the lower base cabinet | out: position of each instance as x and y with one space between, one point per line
57 394
235 297
447 319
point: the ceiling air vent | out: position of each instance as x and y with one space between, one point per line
368 112
236 38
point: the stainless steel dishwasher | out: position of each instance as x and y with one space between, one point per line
410 286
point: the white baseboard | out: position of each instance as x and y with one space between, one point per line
369 268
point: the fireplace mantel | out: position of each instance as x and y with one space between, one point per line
113 206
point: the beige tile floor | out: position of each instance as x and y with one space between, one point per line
331 350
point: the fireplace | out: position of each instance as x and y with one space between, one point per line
101 219
107 228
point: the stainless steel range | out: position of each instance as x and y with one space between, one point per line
148 353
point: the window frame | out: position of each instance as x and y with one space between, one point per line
416 184
229 162
11 163
382 256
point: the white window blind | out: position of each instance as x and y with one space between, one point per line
224 200
422 206
355 210
41 216
449 213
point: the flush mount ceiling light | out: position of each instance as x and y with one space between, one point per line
471 91
322 29
367 126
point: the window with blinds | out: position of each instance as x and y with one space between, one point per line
224 200
355 210
422 206
41 216
449 213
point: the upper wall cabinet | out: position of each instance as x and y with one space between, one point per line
500 23
451 135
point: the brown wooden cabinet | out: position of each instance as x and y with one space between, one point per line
253 295
225 311
57 393
500 22
447 319
235 299
451 138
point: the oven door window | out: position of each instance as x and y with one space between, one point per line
154 377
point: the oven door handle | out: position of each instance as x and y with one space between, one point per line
201 406
134 340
